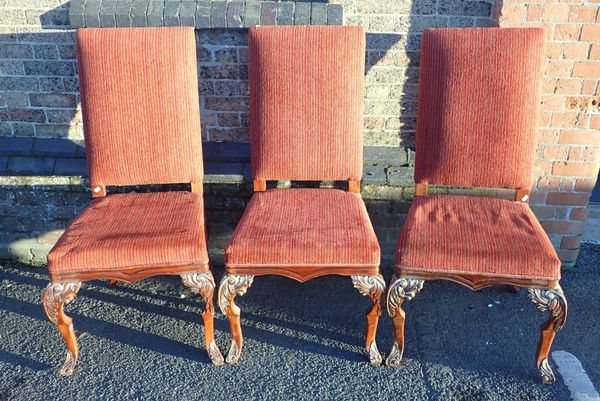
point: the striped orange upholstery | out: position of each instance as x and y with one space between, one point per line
473 235
479 97
139 98
304 232
125 231
306 102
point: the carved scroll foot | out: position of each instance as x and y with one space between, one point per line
56 295
373 287
231 286
401 289
203 284
554 302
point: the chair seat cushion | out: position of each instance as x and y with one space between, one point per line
304 233
476 236
128 231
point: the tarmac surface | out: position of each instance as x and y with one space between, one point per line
302 341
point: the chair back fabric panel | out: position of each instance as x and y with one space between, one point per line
306 102
479 97
141 112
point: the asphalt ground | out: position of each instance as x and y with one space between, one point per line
302 341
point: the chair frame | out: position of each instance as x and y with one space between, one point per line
233 284
64 287
547 296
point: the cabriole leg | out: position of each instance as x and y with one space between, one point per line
203 284
373 287
553 301
56 295
231 286
400 290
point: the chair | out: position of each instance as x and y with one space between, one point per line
306 115
142 126
478 112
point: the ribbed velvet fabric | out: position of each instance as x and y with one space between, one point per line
124 231
479 97
139 97
306 102
473 235
292 229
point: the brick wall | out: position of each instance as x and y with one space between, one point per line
41 146
569 146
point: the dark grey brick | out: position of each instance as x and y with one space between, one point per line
3 163
226 55
60 116
52 130
13 146
226 103
154 15
226 88
91 13
218 14
214 168
47 52
5 129
138 13
221 72
302 14
57 17
187 13
44 68
67 52
52 84
11 67
15 51
268 13
235 14
401 176
76 14
122 13
318 14
171 13
226 151
385 155
71 84
202 14
16 99
285 13
252 14
25 115
52 100
107 13
30 165
335 14
23 129
54 147
374 174
460 22
464 8
70 167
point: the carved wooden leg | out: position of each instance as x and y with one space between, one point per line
553 301
231 286
400 290
373 287
56 295
203 284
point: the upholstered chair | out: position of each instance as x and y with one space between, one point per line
140 106
479 97
306 116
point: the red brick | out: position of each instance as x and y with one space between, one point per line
559 68
579 213
570 242
595 122
549 183
549 85
542 167
567 119
554 50
534 12
543 212
563 227
595 52
590 87
576 50
547 136
567 184
568 86
513 12
567 32
588 69
568 198
575 169
538 197
591 32
585 184
561 213
553 103
555 152
583 13
555 12
580 137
